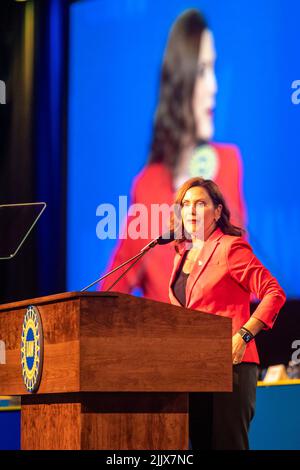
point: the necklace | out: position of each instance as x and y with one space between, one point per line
192 254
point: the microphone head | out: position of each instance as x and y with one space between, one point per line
166 237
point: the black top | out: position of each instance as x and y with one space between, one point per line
179 284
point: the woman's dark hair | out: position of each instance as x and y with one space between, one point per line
217 198
174 115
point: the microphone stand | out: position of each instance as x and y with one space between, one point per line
134 258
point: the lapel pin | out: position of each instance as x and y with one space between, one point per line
200 263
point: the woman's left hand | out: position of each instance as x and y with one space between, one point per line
238 349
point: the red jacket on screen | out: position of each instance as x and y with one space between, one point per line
154 185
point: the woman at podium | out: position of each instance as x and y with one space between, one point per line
215 272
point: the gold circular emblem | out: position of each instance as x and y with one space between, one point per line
32 349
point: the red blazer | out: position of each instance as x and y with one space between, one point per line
224 275
154 185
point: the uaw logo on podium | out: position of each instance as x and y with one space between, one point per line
32 349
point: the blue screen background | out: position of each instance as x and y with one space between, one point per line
116 51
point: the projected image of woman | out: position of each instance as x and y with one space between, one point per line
181 148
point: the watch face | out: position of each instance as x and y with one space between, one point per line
247 337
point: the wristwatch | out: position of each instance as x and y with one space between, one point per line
246 335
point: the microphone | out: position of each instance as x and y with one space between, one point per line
163 239
167 237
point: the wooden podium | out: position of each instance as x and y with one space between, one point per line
117 370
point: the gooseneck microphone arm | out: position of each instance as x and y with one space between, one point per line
161 240
111 272
140 255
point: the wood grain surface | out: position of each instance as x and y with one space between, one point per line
114 421
116 370
119 342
